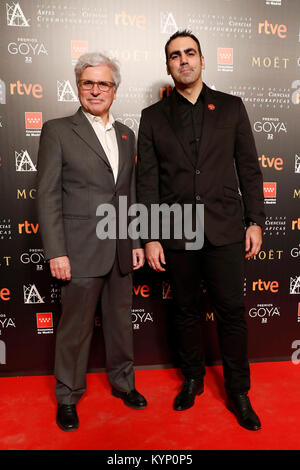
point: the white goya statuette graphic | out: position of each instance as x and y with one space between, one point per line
24 162
32 295
167 23
65 91
295 285
15 15
297 164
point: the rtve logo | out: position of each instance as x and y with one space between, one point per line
27 227
4 294
260 285
279 30
271 162
36 90
165 91
126 19
296 224
142 290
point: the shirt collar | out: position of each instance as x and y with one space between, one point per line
182 99
90 117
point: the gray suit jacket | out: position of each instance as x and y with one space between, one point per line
74 177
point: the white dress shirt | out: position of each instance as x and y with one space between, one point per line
108 139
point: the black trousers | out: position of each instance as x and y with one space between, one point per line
75 330
222 268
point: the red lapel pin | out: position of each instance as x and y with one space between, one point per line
211 107
124 136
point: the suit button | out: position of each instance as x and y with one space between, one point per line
198 198
198 172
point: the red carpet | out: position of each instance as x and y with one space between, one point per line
28 409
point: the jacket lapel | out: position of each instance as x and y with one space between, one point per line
85 131
122 139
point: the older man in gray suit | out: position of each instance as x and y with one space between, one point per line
84 161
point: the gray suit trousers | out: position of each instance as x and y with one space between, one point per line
75 330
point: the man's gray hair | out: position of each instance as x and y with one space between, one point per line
93 59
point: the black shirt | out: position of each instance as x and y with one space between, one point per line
190 118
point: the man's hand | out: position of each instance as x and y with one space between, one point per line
253 240
60 268
155 256
138 258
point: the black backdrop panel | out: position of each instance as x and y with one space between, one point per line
251 49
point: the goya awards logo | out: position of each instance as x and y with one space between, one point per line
6 322
264 312
270 126
15 15
141 318
28 48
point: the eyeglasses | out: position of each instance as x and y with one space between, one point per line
89 85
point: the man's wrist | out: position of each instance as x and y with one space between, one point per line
250 223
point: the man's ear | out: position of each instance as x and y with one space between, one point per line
202 62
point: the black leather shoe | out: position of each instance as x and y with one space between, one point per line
240 405
131 399
186 398
66 418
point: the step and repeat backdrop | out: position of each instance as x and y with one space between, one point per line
251 50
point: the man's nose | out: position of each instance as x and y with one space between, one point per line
183 58
95 90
